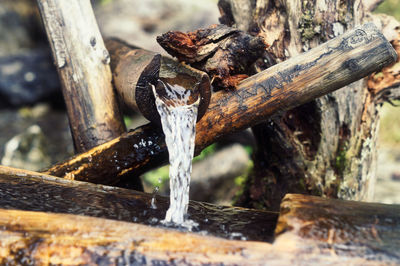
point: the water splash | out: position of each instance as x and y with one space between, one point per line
178 119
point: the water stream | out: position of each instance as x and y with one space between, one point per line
178 119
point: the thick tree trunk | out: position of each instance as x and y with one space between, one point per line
326 147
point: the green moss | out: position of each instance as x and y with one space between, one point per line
154 177
390 7
341 160
306 26
206 152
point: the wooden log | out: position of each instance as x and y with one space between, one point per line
135 70
32 191
82 62
227 54
43 238
296 81
48 238
343 228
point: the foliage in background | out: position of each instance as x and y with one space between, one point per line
390 7
389 132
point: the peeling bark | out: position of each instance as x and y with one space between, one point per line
327 147
226 54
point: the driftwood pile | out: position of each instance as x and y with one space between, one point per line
55 218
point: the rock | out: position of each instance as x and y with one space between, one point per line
139 22
28 77
34 137
213 178
27 150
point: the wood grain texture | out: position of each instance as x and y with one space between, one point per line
328 146
340 232
83 66
284 86
344 228
32 191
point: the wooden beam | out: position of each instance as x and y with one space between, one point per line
312 231
82 62
32 191
296 81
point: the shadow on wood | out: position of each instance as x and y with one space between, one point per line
296 81
31 191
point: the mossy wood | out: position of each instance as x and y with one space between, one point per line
296 81
82 62
32 191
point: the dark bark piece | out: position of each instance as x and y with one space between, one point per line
82 62
344 228
281 87
226 54
31 191
135 70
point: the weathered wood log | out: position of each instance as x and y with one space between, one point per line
135 70
42 238
343 228
296 81
32 191
82 62
328 146
307 236
227 54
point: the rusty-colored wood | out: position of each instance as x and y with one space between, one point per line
296 81
227 54
82 62
32 191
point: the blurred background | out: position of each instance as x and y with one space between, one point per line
33 122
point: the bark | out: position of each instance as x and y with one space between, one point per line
279 88
343 228
82 62
228 55
354 232
32 191
326 147
135 70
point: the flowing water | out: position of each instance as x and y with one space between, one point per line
178 119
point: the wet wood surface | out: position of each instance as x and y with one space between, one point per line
135 70
296 81
82 62
311 231
343 228
32 191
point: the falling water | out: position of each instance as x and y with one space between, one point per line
178 119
